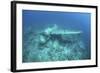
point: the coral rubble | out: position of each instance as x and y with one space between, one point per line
53 44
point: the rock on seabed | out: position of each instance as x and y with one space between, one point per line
54 44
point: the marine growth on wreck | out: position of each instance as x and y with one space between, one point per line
53 44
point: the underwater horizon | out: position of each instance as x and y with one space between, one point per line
55 36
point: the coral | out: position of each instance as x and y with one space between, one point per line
53 44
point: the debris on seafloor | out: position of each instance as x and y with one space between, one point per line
55 44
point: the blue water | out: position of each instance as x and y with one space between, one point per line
39 20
